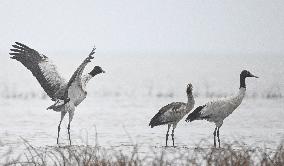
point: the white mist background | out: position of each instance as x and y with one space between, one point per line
150 50
135 27
174 42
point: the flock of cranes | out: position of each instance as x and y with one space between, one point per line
214 111
68 95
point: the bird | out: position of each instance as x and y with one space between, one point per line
217 110
172 113
66 95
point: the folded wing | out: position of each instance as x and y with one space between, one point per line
168 114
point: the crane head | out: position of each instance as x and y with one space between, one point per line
96 70
189 88
246 73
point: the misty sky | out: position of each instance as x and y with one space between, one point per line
145 26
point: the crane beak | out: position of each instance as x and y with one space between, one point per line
254 76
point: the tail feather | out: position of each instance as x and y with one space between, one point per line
152 124
155 123
155 120
165 114
195 114
158 120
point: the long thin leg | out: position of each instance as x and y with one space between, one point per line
167 135
71 113
173 131
58 129
218 136
215 136
69 137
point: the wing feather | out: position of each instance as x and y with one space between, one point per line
75 83
215 110
168 114
41 67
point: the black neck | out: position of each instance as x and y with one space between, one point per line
189 95
242 81
190 100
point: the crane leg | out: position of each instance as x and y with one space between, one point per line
173 131
58 129
167 135
71 113
69 137
218 136
215 136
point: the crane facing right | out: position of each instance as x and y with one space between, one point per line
216 111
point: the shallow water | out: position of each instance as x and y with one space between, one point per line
119 122
121 102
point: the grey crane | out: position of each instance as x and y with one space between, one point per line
216 111
66 95
172 113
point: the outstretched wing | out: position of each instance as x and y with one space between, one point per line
74 85
41 68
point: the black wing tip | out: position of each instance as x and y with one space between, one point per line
199 107
18 48
19 45
151 125
14 54
157 122
15 50
195 114
154 122
189 120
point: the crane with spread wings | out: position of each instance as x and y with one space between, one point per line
66 95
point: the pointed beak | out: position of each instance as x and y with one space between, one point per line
103 71
254 76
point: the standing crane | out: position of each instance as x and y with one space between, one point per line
66 95
172 113
216 111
